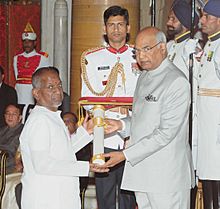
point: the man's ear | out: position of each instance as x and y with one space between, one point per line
163 47
104 29
35 93
128 28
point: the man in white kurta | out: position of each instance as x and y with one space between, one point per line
158 159
208 166
51 172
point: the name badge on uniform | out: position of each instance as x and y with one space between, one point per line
104 68
151 98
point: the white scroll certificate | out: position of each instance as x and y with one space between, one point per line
98 141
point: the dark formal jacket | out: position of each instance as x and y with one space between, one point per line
9 141
8 95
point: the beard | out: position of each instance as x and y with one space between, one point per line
172 32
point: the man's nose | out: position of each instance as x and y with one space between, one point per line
116 27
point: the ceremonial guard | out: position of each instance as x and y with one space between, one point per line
25 65
107 71
178 27
179 50
208 165
111 71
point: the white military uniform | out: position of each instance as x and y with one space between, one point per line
208 166
51 172
98 66
179 51
24 66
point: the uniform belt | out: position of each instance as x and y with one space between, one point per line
209 92
24 80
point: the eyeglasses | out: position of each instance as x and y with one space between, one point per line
144 49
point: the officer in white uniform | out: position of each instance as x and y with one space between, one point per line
26 63
179 50
208 165
178 25
97 68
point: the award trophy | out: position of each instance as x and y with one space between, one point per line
100 104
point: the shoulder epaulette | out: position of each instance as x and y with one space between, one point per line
45 54
92 50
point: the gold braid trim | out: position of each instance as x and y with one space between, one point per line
112 79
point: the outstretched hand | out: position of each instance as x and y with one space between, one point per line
88 124
114 158
112 125
97 168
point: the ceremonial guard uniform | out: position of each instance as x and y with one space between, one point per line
208 111
108 72
98 66
25 64
179 50
208 164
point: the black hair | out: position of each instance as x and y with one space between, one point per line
17 106
115 11
71 113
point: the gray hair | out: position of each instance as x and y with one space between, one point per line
161 37
37 75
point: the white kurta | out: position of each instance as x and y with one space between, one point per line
179 53
158 159
98 67
51 172
208 166
24 91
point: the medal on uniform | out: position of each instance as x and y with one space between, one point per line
210 55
